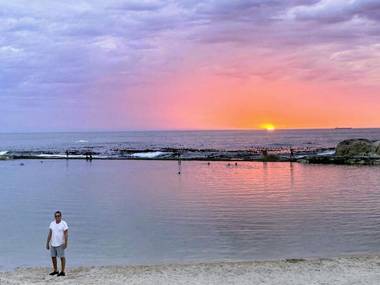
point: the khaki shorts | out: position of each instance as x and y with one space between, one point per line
57 251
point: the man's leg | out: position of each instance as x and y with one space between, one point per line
61 254
63 264
53 253
54 261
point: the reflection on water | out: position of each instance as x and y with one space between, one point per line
130 212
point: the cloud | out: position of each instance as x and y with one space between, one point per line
137 37
337 10
79 52
139 5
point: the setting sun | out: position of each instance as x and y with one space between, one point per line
268 127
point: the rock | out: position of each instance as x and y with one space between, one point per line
376 147
270 158
368 160
354 147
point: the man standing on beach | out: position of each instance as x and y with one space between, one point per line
57 242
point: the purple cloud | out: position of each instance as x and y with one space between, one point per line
76 54
337 10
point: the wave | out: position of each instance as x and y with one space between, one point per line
327 152
81 141
47 155
152 154
3 152
72 156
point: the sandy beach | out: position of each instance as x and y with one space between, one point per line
343 270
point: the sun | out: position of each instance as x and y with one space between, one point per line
268 127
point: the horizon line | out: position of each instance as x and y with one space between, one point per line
180 130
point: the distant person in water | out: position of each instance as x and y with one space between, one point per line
179 163
57 242
291 153
88 155
67 154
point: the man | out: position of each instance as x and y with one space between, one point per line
57 242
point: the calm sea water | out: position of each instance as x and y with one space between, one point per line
104 142
142 212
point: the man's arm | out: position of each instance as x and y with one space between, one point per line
48 240
66 233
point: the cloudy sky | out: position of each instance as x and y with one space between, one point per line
185 64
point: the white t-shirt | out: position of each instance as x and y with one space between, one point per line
57 230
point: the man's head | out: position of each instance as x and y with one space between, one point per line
58 216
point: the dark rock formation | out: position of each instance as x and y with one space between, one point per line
354 147
376 147
341 160
350 152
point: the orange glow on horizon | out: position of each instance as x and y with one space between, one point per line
269 127
207 102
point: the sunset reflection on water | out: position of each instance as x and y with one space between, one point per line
130 212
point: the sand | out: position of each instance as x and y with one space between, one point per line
344 270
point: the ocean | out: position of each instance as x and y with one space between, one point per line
107 142
142 212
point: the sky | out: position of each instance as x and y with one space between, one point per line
214 64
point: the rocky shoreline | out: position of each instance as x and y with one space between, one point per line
347 152
270 155
351 152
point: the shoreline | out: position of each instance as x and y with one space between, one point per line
354 151
253 154
300 155
304 159
174 154
339 270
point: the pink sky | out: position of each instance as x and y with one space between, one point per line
187 64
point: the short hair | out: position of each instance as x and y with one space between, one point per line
57 212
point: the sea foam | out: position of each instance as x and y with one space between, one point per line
326 153
46 155
152 154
